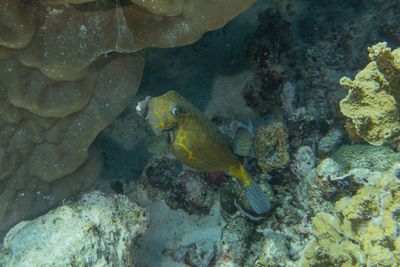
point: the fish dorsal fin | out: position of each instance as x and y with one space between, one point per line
158 145
242 142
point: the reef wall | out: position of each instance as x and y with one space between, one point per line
68 69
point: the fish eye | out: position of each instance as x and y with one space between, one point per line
176 111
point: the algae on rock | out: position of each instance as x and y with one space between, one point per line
372 100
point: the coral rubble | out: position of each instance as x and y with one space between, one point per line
98 230
372 100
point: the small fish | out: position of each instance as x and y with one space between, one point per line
181 129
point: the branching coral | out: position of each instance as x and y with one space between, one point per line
372 101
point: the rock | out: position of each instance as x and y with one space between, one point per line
329 143
98 230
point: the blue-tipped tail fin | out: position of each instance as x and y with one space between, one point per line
258 199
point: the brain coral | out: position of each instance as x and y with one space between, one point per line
62 80
372 100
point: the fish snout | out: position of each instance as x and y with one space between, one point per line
142 108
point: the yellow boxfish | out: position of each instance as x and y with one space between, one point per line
184 131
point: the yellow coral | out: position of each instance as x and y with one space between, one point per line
372 100
363 230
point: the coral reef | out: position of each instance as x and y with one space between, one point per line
363 229
46 132
110 26
271 146
303 128
322 47
61 84
78 234
193 236
186 190
365 156
350 168
269 49
199 254
303 163
275 251
329 143
372 100
226 93
234 237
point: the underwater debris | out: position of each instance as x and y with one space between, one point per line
78 234
372 100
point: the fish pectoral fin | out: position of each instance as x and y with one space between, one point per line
158 145
258 199
242 142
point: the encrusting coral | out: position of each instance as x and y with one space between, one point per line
61 84
363 231
372 101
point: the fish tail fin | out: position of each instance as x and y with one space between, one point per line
258 199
